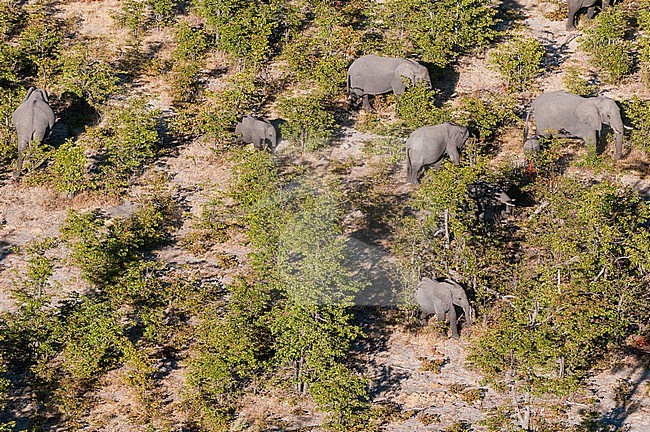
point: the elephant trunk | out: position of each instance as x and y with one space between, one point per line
467 310
619 129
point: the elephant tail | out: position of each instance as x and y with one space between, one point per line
530 110
409 165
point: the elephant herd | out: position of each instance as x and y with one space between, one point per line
556 113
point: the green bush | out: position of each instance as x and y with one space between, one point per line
68 172
577 295
9 100
436 31
188 56
575 82
308 123
485 116
101 249
638 111
416 108
86 72
242 29
605 40
518 61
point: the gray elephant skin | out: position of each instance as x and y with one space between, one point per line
260 132
33 120
428 144
374 75
575 6
566 114
439 297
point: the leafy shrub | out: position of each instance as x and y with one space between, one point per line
133 15
191 46
638 111
485 116
416 107
575 82
87 73
307 122
605 41
9 100
321 55
216 118
68 172
642 14
518 61
588 267
101 249
241 29
436 31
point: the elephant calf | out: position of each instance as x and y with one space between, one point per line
260 132
440 297
428 144
33 120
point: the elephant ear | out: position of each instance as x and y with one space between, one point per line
588 114
44 96
457 136
29 93
405 69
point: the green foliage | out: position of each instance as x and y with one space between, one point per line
5 385
92 340
518 61
216 118
605 40
638 111
436 31
133 15
68 171
9 100
485 116
86 72
132 139
575 82
417 108
187 57
101 249
580 289
242 29
320 56
308 124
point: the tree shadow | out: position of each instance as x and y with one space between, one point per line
618 415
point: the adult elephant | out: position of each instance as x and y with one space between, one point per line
567 114
33 120
260 132
575 6
440 297
374 75
428 144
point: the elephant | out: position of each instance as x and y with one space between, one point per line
374 75
260 132
33 120
440 297
575 6
428 144
566 114
492 203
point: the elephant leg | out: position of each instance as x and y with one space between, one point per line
570 22
22 148
591 11
440 311
366 103
453 322
453 155
438 165
414 172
